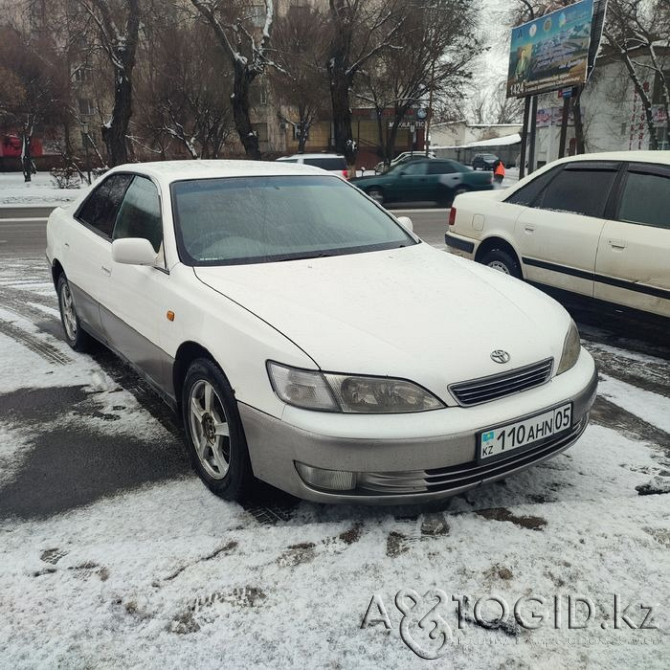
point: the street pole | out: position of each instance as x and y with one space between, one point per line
533 134
524 137
84 130
533 120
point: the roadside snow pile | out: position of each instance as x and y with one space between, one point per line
42 190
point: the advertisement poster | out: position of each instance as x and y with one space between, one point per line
550 52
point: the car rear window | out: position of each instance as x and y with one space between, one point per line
327 163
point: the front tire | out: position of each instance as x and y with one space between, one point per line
214 433
75 335
503 261
377 195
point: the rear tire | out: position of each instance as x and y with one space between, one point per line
75 335
503 261
214 433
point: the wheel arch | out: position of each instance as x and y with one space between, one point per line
491 243
187 353
56 271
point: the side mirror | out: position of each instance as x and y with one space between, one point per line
133 251
406 222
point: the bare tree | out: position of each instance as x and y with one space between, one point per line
301 82
635 30
183 87
492 106
359 30
245 41
433 53
117 23
34 87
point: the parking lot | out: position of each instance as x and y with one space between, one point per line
113 554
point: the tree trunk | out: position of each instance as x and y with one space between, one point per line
114 135
26 158
391 137
339 94
302 140
240 102
644 97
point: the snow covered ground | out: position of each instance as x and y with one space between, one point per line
42 190
160 573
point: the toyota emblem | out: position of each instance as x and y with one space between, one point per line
500 356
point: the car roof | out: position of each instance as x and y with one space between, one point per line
171 171
630 156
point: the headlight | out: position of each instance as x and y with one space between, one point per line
571 349
349 393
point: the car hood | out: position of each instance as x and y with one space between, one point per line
413 312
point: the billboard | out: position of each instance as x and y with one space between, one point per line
550 52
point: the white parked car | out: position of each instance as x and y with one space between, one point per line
596 225
310 339
335 163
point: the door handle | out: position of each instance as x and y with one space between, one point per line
617 244
66 245
107 271
529 229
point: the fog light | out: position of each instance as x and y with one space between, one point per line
332 480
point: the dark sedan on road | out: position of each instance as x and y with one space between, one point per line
484 161
428 179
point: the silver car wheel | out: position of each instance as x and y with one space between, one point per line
500 266
377 195
67 310
209 428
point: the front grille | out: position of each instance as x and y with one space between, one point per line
457 477
485 389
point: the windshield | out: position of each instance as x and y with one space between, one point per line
263 219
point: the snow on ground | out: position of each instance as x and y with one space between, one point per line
163 574
42 190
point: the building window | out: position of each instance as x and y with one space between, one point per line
81 75
257 15
86 107
261 130
258 95
657 98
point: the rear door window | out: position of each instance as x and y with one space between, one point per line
645 197
579 189
441 168
101 207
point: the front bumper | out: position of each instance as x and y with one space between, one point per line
410 458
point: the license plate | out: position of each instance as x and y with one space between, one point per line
523 433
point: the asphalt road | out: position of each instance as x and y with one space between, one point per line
22 230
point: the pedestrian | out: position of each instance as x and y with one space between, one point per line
498 172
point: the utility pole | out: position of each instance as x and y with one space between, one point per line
529 110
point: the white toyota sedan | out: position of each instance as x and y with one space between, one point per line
596 226
310 339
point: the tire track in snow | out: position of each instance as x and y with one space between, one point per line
34 344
